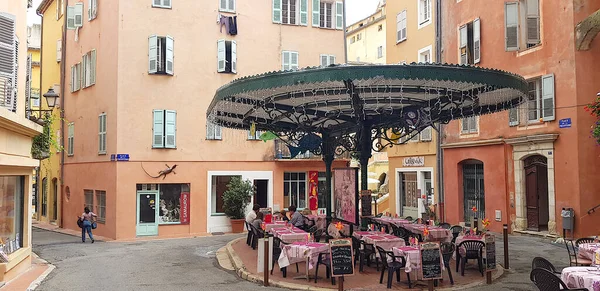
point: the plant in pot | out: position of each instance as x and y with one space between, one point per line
235 199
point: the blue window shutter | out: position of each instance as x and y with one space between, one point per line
339 15
158 130
276 11
316 13
170 128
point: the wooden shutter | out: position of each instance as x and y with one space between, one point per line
84 71
79 82
324 60
511 26
477 41
473 124
339 15
316 13
293 61
79 15
465 125
70 17
533 22
156 3
72 79
404 30
210 130
166 3
70 139
548 100
158 129
102 133
304 12
170 128
152 55
234 56
426 134
169 55
285 61
218 132
332 60
94 9
513 116
276 11
59 50
93 67
221 54
399 26
464 59
7 49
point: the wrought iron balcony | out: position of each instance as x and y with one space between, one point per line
282 152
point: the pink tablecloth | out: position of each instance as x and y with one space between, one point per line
581 277
290 236
277 224
301 252
436 233
360 234
411 255
320 220
388 220
586 251
384 241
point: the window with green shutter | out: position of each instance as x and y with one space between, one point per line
164 129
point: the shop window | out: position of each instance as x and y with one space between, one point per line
294 189
219 186
11 214
101 207
89 199
170 202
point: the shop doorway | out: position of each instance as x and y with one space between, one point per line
262 192
536 192
45 197
409 198
473 190
147 213
54 200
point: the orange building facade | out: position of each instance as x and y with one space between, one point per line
523 167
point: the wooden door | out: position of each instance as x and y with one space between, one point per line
531 197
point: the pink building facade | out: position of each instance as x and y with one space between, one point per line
142 74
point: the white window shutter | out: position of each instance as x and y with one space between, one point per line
80 75
231 5
339 15
250 137
463 45
210 130
170 128
426 134
533 22
70 17
90 10
79 15
84 74
548 100
223 5
477 41
158 129
332 60
285 61
72 78
234 56
166 3
94 9
316 13
399 27
101 131
218 132
324 59
169 55
293 60
303 12
59 50
465 124
93 68
221 55
511 26
152 55
473 124
513 116
404 29
276 11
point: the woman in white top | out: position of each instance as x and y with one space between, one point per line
87 218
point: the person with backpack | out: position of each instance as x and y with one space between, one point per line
86 220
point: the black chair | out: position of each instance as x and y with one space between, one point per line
409 218
547 281
541 263
324 260
413 235
445 225
276 253
256 234
456 230
286 243
249 237
366 252
312 229
573 259
473 250
394 266
379 215
318 234
584 240
447 251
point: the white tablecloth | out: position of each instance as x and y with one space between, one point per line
581 277
301 252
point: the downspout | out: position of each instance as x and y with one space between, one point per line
344 23
38 175
63 56
440 153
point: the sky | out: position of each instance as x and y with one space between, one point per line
356 9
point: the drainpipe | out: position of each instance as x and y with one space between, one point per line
62 111
440 153
344 23
38 175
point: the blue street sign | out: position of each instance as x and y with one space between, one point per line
122 157
564 123
112 157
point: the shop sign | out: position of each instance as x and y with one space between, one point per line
313 180
413 162
184 210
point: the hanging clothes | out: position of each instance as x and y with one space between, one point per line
224 21
233 25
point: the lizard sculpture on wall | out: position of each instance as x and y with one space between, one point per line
162 173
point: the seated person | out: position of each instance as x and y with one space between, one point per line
251 216
333 231
306 211
259 220
297 219
283 216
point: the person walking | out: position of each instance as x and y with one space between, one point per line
87 219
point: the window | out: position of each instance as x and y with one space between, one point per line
425 55
289 60
224 5
540 103
101 207
58 50
294 189
293 12
426 134
93 9
89 69
380 52
170 202
522 24
256 135
60 9
469 125
12 197
401 26
424 13
227 56
102 133
414 138
213 131
358 36
88 195
353 40
380 27
70 138
219 186
75 16
470 42
327 60
164 129
161 3
76 77
160 55
327 14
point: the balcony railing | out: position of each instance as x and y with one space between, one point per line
282 152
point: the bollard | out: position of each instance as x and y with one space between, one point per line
505 238
341 283
266 262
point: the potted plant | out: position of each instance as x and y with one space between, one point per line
235 199
40 148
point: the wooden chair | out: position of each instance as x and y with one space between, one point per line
394 266
584 240
473 250
541 263
573 259
448 249
324 259
547 281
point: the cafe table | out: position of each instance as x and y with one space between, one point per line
384 241
302 252
412 255
462 238
586 251
359 234
276 224
320 220
436 233
391 220
581 277
290 235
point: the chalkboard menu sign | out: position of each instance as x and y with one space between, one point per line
342 257
490 252
431 261
365 203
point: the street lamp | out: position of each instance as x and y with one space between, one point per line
51 98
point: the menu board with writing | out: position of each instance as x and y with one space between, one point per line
490 252
431 261
365 203
342 257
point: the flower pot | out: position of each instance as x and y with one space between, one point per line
237 225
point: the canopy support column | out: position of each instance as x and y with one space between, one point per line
328 157
364 154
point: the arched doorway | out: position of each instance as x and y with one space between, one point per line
473 190
536 192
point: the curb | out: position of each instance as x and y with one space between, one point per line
36 283
243 273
